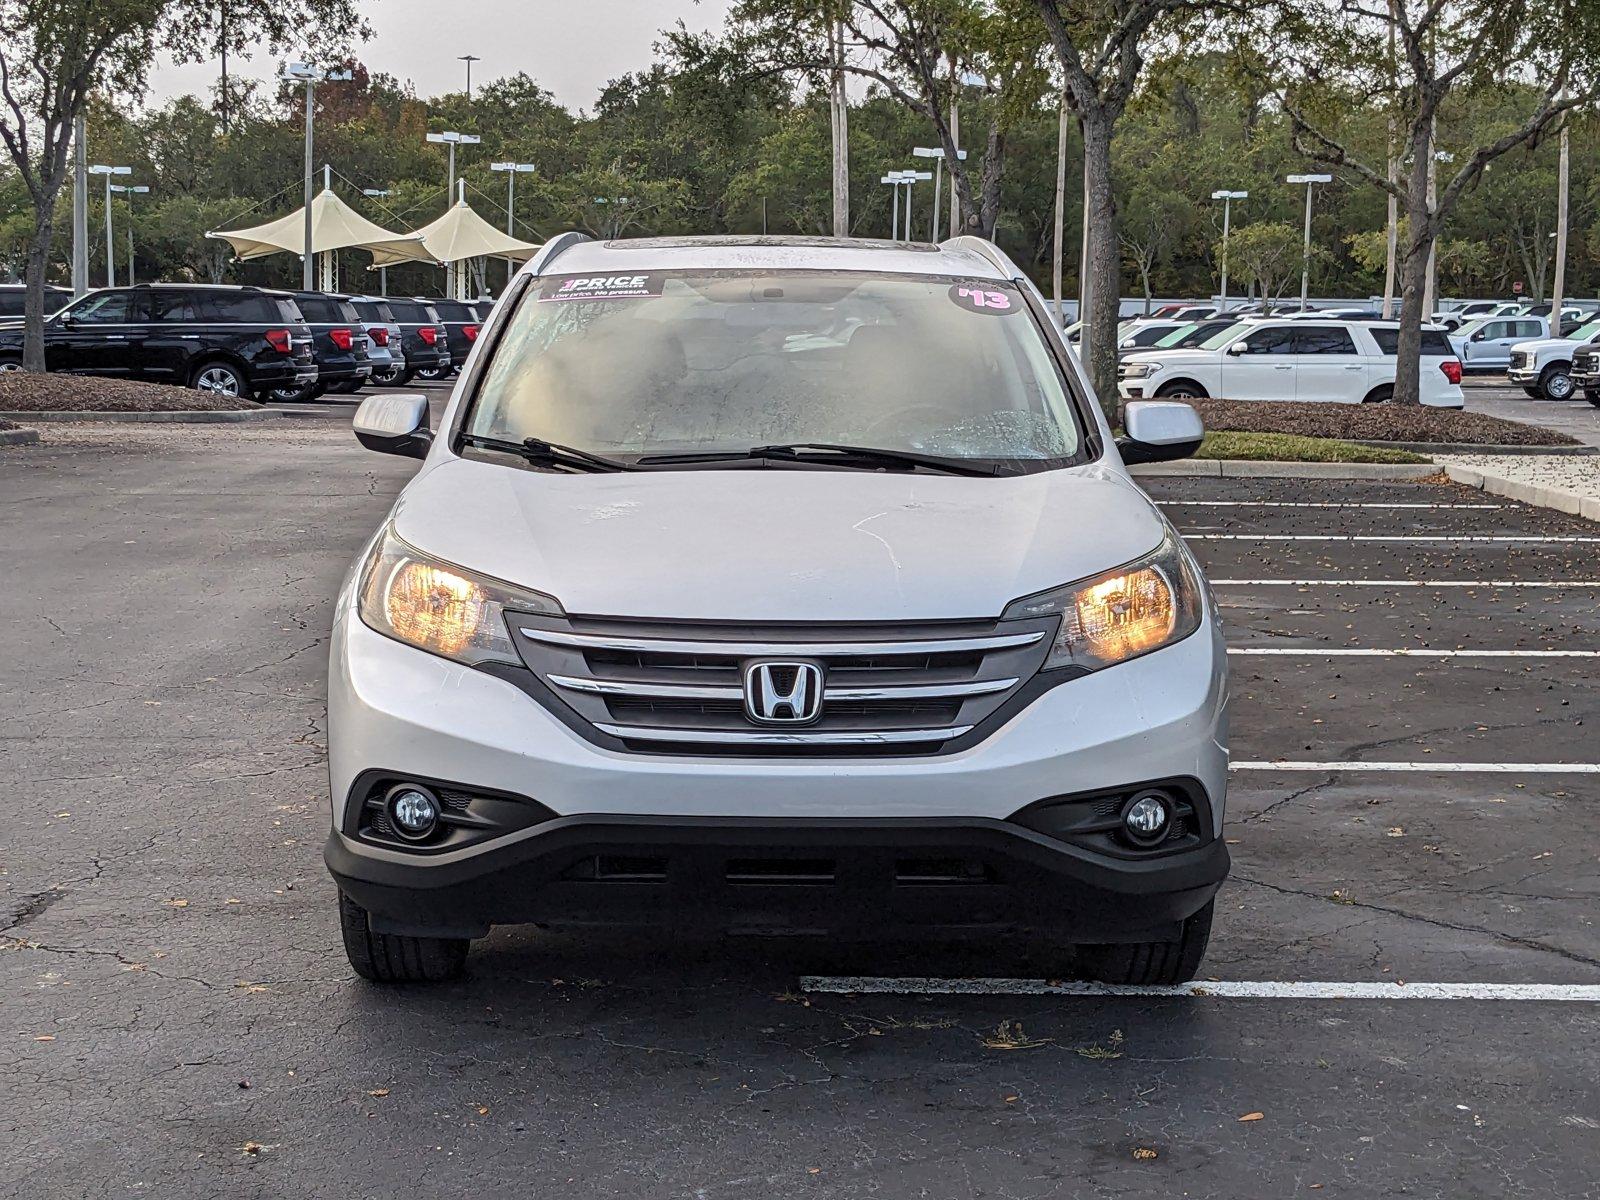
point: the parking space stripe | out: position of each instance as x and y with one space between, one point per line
1431 768
1570 993
1310 504
1373 652
1410 583
1433 538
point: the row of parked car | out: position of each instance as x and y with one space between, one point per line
273 345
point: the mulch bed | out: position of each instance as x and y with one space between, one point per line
22 391
1374 423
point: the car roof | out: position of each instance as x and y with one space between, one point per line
713 253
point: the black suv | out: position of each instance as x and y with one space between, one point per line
14 299
234 341
426 342
461 322
338 341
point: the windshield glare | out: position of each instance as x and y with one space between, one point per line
1586 332
721 361
1177 335
1223 337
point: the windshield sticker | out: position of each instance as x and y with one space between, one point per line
603 287
984 300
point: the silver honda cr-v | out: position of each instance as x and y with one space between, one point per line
769 582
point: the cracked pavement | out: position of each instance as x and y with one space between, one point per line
177 1017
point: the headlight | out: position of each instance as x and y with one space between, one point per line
443 609
1140 370
1121 614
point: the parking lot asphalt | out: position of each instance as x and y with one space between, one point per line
1495 396
177 1018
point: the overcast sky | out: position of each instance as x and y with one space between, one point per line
571 47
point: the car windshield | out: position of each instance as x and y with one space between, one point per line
1586 332
1177 335
722 361
1222 337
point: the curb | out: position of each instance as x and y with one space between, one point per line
1240 468
1478 448
193 417
18 437
1558 499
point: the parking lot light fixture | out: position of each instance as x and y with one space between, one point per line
1311 182
910 179
111 253
1227 199
512 170
310 75
129 190
937 154
383 272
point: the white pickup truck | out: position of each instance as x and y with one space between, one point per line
1544 368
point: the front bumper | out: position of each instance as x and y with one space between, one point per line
399 710
1523 375
840 876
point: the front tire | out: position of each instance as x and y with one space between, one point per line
10 363
393 958
1556 382
1147 963
1381 394
1181 389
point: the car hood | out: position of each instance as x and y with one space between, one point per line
1535 345
778 545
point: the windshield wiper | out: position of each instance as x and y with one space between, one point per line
863 457
541 452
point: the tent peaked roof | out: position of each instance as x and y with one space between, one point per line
461 233
334 226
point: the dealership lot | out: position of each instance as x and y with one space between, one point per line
179 1018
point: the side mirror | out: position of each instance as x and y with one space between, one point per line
394 425
1159 431
1478 336
1238 348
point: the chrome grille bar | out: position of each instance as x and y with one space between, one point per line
800 737
680 691
731 649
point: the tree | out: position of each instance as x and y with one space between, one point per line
1269 254
1340 60
55 53
1101 46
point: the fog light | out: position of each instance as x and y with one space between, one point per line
1146 818
414 812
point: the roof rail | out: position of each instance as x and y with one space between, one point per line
557 246
986 250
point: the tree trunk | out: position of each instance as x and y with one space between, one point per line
994 160
1102 278
1414 270
37 262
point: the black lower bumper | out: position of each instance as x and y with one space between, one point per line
840 876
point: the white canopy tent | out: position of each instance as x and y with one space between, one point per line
334 226
461 235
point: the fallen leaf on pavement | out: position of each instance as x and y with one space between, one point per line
1255 1116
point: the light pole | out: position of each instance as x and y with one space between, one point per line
1311 182
130 191
452 139
1227 199
299 72
383 272
512 170
111 250
469 59
911 179
893 180
937 154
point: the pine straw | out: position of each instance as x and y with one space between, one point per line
22 391
1374 423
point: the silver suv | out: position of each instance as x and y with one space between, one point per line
776 582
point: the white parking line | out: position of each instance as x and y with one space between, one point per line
1432 768
1307 504
1407 537
1410 583
1359 652
1586 993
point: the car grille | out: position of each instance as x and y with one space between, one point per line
1586 362
679 688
